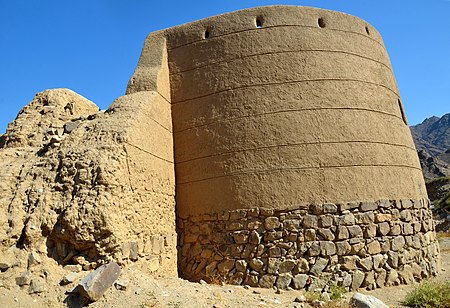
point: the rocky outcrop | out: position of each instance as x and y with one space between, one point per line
432 166
433 134
432 139
438 188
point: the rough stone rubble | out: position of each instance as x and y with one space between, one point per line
356 245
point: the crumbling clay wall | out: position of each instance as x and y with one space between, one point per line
83 186
294 162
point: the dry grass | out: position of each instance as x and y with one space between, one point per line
429 294
337 292
312 296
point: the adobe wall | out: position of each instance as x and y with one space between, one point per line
294 162
288 113
84 187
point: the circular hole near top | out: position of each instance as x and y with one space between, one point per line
367 31
259 22
206 34
321 22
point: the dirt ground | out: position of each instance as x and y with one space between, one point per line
144 291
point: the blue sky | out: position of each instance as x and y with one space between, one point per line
92 46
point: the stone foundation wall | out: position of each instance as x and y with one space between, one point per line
155 252
360 244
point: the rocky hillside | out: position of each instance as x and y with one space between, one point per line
432 138
432 166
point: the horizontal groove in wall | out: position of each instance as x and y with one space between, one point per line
298 88
162 126
164 98
288 82
276 26
147 152
297 169
183 89
222 120
297 144
283 52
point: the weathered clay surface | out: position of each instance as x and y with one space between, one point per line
87 194
303 109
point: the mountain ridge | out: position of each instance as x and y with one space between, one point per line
433 136
432 139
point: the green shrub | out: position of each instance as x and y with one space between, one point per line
312 296
336 292
429 295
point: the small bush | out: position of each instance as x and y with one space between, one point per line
312 296
337 292
429 295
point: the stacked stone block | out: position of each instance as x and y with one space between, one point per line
356 245
156 250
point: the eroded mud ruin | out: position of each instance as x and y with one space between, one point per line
265 147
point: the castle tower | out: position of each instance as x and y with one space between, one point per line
294 162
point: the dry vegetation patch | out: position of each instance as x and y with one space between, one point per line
429 294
